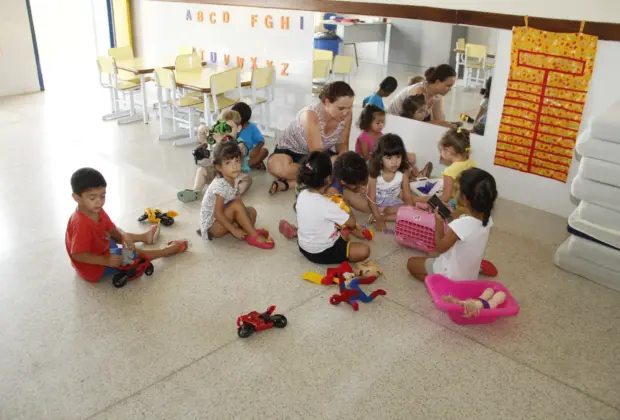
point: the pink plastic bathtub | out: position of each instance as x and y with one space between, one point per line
439 286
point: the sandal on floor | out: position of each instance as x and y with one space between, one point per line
289 231
427 170
187 196
263 232
276 188
488 269
183 243
253 240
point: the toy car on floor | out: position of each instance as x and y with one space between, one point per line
141 265
254 321
156 215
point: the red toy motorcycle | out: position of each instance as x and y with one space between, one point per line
141 265
254 321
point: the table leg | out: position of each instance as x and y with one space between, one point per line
145 109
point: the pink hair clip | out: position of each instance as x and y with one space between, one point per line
308 166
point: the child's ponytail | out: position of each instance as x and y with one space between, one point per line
479 188
458 139
313 171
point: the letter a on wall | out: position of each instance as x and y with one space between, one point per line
547 88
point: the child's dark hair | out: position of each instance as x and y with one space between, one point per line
85 179
478 187
244 111
387 145
335 90
224 151
442 73
458 139
351 169
486 90
368 116
314 170
388 85
411 104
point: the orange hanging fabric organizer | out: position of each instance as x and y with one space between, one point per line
547 88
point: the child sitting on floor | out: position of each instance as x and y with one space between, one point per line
386 88
350 179
227 127
319 218
388 186
463 244
222 211
371 122
455 150
92 238
481 118
252 137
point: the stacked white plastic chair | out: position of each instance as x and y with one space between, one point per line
593 249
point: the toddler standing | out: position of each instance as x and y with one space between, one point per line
371 122
386 88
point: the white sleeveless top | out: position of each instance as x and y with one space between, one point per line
389 190
396 107
293 138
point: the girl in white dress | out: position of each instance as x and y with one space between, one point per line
388 184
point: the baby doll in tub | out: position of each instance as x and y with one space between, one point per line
489 299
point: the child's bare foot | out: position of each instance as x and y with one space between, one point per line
152 235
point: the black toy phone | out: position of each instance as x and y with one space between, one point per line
436 203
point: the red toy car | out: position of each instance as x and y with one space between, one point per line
247 324
141 265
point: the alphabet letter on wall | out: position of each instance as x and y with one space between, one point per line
269 21
253 20
284 69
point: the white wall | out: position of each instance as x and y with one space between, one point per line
18 68
483 36
420 43
160 28
528 189
593 10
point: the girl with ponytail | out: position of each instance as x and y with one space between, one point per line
461 246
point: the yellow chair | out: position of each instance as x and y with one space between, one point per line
168 98
460 44
108 78
221 83
459 52
320 74
263 78
185 49
321 55
343 66
188 62
475 59
123 53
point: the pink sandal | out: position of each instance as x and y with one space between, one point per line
289 231
263 232
253 240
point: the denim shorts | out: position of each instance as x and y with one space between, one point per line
115 250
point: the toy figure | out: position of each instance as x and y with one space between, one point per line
249 323
353 294
365 272
489 299
339 199
156 216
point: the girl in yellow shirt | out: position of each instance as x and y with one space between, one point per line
454 148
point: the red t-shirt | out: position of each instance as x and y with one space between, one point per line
86 235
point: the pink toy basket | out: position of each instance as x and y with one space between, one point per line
439 286
415 228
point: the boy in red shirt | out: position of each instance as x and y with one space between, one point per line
92 238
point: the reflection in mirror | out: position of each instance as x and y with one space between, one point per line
455 93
